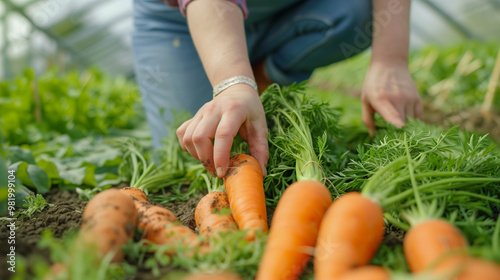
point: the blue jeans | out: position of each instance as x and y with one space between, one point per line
294 37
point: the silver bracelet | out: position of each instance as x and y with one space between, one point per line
220 87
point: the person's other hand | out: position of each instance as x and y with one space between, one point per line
390 91
237 109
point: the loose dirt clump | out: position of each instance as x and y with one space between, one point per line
184 210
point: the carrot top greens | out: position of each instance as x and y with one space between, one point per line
303 136
424 172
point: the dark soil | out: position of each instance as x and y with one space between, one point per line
184 210
62 215
393 236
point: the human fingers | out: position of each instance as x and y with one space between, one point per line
202 141
227 129
389 112
187 138
181 130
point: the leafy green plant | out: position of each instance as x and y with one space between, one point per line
36 109
457 76
34 204
54 129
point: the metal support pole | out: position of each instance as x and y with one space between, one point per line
59 43
5 58
465 32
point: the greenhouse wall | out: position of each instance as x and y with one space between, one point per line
68 34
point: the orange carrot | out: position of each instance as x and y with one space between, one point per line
476 268
209 216
109 222
468 268
369 272
57 271
431 244
136 193
427 244
158 223
141 201
244 187
213 276
294 230
350 234
159 226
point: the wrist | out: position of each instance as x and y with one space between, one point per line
398 62
234 81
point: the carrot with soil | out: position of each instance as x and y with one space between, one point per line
245 192
112 217
158 224
213 214
136 194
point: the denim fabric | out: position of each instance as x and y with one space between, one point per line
293 36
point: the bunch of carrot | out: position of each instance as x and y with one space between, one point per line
345 236
243 207
352 230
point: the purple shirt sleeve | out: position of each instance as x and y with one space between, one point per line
182 4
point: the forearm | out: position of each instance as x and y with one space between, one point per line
218 33
391 31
